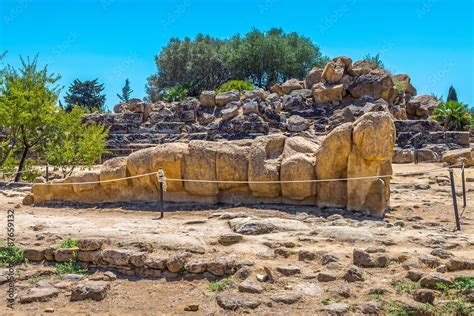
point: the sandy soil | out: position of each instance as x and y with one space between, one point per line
421 220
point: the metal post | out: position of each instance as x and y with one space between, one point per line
455 202
464 202
415 150
47 172
161 179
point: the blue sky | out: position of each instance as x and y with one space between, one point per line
431 40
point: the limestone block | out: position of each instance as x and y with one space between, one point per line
232 164
200 163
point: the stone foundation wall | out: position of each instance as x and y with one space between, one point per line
359 149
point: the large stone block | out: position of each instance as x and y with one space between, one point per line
115 168
200 164
232 164
331 163
264 165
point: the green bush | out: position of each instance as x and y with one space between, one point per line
176 93
399 85
453 115
375 61
11 255
238 85
70 267
221 284
68 243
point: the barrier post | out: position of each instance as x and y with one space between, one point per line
455 203
464 202
415 150
161 179
47 172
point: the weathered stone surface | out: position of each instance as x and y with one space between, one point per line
353 274
376 84
331 163
459 264
289 271
402 155
421 107
314 76
200 164
231 301
225 97
432 279
64 254
89 244
290 85
232 165
94 290
298 164
250 287
34 254
88 256
116 257
208 98
38 295
264 165
376 130
286 297
424 296
258 226
455 156
327 276
230 110
337 309
327 93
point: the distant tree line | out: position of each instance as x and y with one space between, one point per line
205 62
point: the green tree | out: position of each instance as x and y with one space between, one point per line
126 92
375 61
27 107
206 62
73 142
86 94
452 95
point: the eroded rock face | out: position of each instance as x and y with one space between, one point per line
360 149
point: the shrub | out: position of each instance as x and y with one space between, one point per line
221 284
12 256
399 85
71 266
453 115
68 243
176 93
403 286
374 61
239 85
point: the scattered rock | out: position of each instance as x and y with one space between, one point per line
372 307
414 275
43 294
459 264
286 297
250 287
230 238
191 308
431 280
94 290
306 255
342 290
231 301
353 274
424 296
327 276
337 309
243 273
289 271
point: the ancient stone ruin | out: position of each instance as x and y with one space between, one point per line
359 149
340 93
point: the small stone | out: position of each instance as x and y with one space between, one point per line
109 276
399 223
286 297
442 269
342 290
414 275
49 310
90 244
73 277
337 309
328 258
353 274
250 287
289 271
363 259
94 290
327 276
306 255
191 308
176 264
459 264
38 295
424 296
372 307
431 280
64 254
442 253
282 252
231 301
261 277
429 260
230 238
196 267
243 273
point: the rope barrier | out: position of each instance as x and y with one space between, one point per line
246 181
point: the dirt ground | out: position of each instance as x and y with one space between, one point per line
420 221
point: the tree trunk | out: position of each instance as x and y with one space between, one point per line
22 163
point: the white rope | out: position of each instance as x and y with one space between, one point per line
245 181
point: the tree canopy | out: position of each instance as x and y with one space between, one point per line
126 92
263 58
86 94
452 95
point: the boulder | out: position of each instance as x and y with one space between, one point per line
232 164
84 176
331 163
326 93
226 97
38 295
373 139
230 301
298 164
297 124
276 88
115 168
402 155
200 164
314 76
264 165
93 290
290 85
376 84
170 158
421 107
334 70
230 110
208 98
454 157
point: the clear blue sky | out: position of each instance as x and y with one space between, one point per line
431 40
